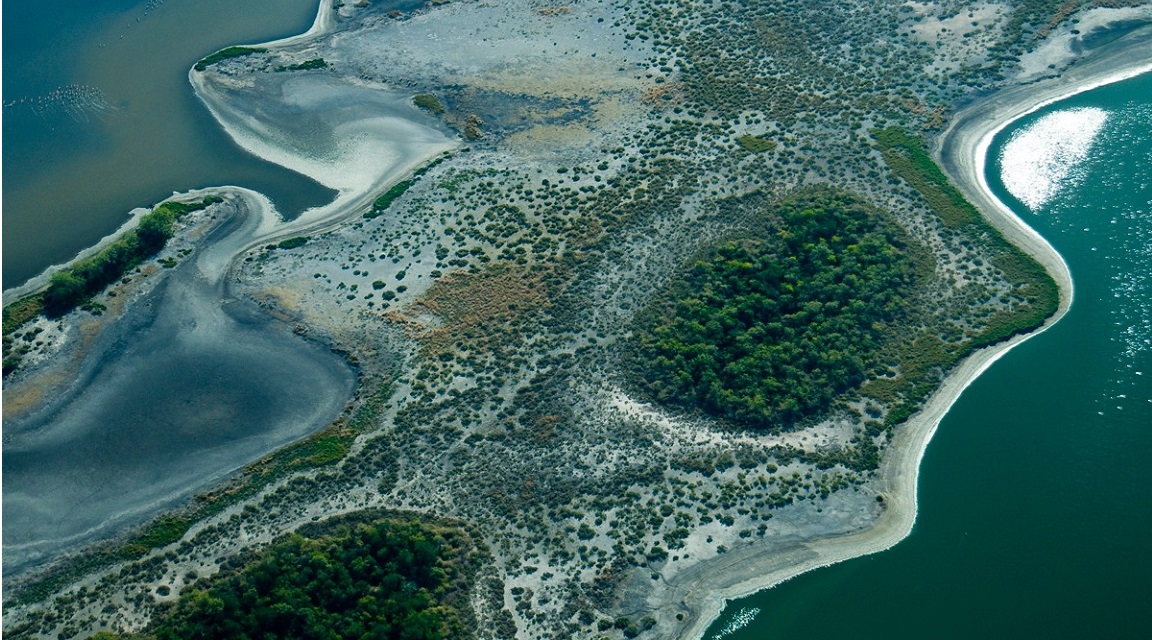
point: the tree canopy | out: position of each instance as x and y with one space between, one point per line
384 580
769 331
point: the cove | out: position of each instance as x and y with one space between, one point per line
99 117
1033 514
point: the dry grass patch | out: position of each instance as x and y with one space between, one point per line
474 311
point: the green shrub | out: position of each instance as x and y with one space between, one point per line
429 103
756 144
225 54
292 243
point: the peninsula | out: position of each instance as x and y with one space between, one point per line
622 310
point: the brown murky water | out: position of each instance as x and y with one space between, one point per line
99 118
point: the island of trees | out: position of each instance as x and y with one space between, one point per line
352 578
771 330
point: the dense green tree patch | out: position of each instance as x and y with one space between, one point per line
769 331
69 287
385 579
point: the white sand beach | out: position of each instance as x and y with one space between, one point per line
961 150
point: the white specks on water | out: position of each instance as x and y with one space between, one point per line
743 618
1039 161
1063 168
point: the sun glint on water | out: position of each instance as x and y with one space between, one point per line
1040 160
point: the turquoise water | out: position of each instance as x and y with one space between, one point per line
1034 506
99 117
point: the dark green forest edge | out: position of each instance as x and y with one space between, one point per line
813 312
367 575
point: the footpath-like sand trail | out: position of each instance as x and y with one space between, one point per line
702 592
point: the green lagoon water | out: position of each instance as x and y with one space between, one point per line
1035 513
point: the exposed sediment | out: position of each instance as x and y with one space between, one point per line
506 413
962 151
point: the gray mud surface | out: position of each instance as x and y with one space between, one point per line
189 386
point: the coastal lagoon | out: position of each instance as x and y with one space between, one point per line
1033 510
99 117
190 384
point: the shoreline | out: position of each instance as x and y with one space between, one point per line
961 151
351 195
397 145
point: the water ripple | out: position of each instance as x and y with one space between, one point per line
1040 160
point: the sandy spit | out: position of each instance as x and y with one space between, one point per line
961 151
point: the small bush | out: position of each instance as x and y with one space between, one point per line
429 103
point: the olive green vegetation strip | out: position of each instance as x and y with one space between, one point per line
315 63
290 243
225 54
318 450
75 285
908 160
385 200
